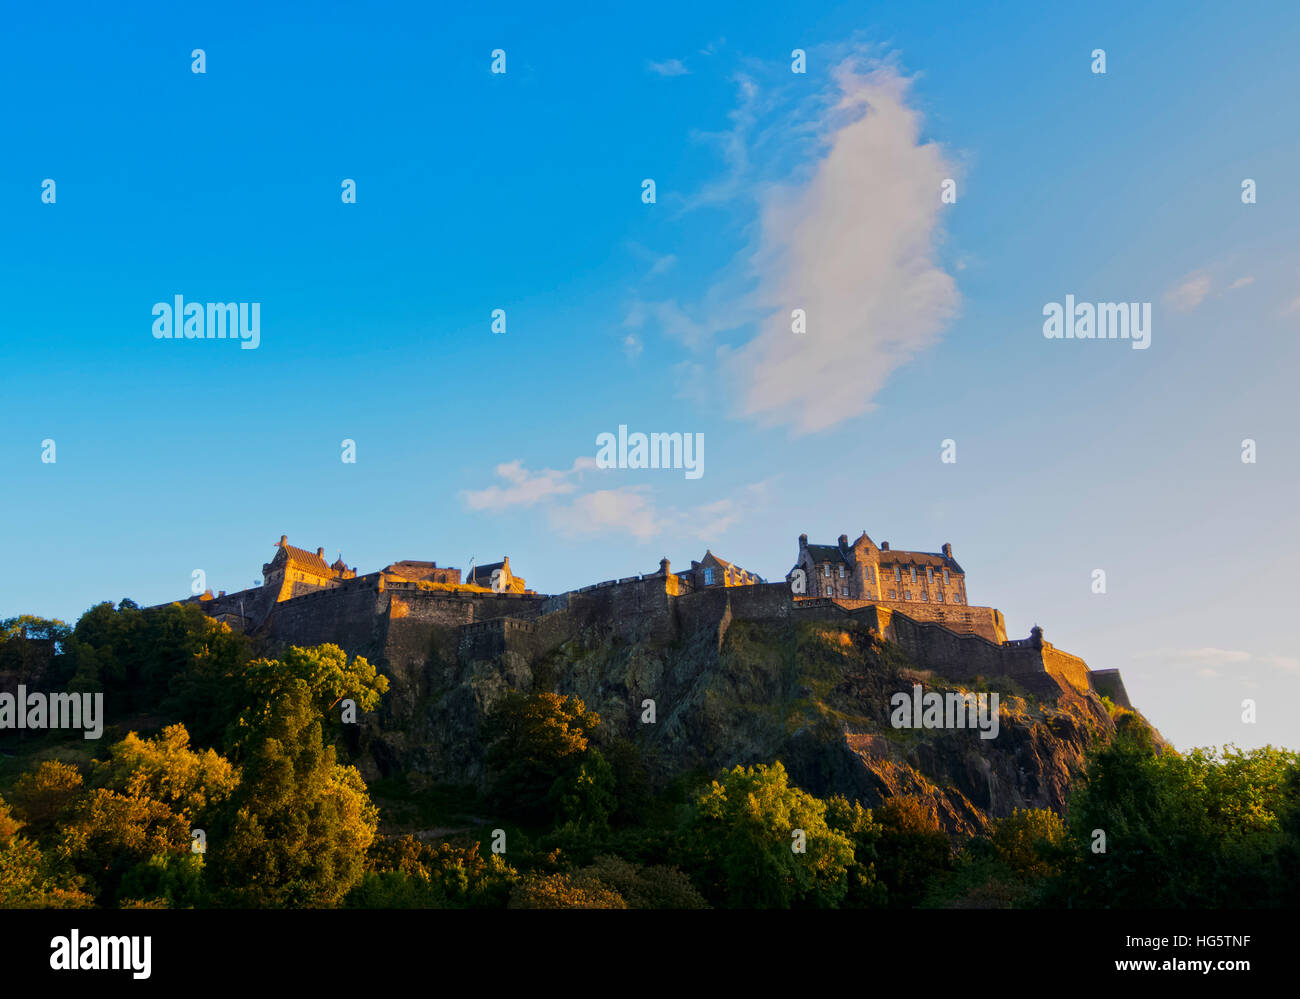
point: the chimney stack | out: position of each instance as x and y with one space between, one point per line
947 551
320 553
844 541
803 541
284 540
884 546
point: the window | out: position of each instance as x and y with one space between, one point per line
868 574
945 577
708 577
907 594
929 574
826 569
939 596
913 574
841 572
844 591
898 574
925 597
830 590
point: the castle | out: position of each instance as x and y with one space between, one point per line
916 599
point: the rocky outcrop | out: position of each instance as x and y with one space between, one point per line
729 690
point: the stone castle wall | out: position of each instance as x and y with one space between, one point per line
397 623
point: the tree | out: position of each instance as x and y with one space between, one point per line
912 849
741 835
26 879
296 830
537 740
865 889
1203 829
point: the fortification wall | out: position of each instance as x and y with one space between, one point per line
350 616
635 609
1067 668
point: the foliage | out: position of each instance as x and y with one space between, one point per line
912 849
741 837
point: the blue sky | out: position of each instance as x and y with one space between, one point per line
522 191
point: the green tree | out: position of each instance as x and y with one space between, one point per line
912 849
296 830
537 749
1197 830
865 889
740 834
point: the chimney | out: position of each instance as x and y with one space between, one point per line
803 541
844 541
947 551
884 546
284 540
664 568
320 553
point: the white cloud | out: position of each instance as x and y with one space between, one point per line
1241 282
669 67
629 510
1209 657
632 346
853 244
1190 293
525 488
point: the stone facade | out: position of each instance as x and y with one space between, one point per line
864 571
713 571
391 615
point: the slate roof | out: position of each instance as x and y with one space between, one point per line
309 561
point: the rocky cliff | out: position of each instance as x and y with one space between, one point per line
814 694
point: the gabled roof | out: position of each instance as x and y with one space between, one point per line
484 571
897 557
309 561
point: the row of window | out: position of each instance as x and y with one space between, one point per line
898 574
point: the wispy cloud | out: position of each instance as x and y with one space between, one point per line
628 510
669 67
1214 661
1189 293
847 221
1241 282
853 245
525 488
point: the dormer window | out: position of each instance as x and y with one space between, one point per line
913 574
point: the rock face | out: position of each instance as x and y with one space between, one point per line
815 694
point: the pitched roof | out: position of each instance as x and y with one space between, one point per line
307 560
484 571
898 557
826 553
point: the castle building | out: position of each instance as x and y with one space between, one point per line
508 582
294 571
713 571
864 571
412 571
